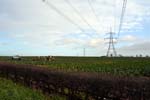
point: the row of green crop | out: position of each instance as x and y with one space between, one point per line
117 66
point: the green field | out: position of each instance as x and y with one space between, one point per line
12 91
117 66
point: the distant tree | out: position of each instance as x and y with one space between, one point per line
120 55
140 55
147 56
111 55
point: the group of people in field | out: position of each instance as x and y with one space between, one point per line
41 58
46 58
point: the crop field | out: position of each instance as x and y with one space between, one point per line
117 66
74 77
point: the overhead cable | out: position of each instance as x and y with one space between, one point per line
93 10
122 16
62 14
78 13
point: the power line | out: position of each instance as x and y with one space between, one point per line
122 16
78 13
62 14
115 16
93 10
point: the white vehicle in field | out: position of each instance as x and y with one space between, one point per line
16 57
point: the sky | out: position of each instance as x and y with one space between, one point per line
66 27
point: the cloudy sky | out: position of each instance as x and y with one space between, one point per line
65 27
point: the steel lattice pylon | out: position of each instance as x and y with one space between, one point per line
111 48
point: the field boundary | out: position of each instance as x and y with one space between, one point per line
77 86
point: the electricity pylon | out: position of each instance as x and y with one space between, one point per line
111 47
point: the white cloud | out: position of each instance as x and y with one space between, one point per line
40 14
129 38
96 43
137 48
33 23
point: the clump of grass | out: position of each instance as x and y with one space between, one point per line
12 91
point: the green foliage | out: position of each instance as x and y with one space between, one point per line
11 91
117 66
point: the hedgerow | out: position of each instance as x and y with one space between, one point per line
79 85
